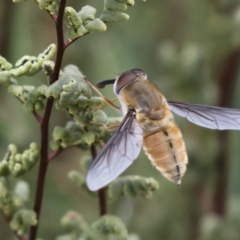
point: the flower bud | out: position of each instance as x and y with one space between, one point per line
96 25
112 16
87 13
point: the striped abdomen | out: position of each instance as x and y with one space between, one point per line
166 150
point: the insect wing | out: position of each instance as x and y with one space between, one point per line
208 116
117 155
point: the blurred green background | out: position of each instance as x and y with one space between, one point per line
191 50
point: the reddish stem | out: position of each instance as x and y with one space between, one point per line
45 121
43 166
227 83
52 155
102 192
38 117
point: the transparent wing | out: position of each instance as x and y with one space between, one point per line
208 116
117 155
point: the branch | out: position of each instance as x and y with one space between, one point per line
60 40
67 44
102 192
227 83
45 121
52 155
38 117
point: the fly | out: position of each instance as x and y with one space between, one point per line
149 123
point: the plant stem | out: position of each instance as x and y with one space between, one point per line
227 84
43 166
52 155
60 39
45 121
102 201
102 192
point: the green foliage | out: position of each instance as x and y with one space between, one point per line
4 64
69 87
132 186
109 227
30 65
22 220
88 127
106 228
12 200
49 5
15 163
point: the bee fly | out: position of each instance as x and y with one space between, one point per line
149 123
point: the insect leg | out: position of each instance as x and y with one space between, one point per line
101 95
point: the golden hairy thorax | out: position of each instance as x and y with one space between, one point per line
162 139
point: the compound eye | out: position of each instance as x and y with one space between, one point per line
124 79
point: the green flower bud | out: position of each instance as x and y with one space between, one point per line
96 25
82 119
72 70
99 116
73 109
88 137
35 99
21 193
73 222
60 133
5 77
115 5
18 157
83 146
112 16
22 190
75 33
4 168
12 148
50 5
68 88
18 1
17 90
73 20
77 178
82 101
77 74
108 226
38 106
132 186
47 54
66 237
30 156
4 64
87 13
17 170
22 220
34 147
55 145
34 67
73 127
42 89
29 106
48 67
33 95
3 188
96 102
23 65
128 2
